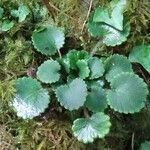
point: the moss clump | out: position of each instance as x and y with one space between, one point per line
17 55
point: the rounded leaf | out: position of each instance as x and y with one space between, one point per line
30 99
48 72
96 68
95 29
114 19
145 145
83 68
141 54
110 35
87 129
115 65
48 40
128 93
72 95
115 37
96 100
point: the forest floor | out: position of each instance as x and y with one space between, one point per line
52 130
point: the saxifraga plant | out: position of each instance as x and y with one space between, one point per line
83 81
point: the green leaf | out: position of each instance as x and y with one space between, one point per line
95 84
83 68
65 63
145 145
48 72
115 37
96 100
72 95
114 19
6 25
1 12
21 13
115 65
87 129
141 54
128 93
48 40
96 29
96 68
110 36
30 99
73 56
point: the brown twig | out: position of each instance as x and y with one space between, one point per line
87 16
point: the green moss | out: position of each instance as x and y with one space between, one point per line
17 54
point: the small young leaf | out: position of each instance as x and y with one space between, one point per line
83 68
116 17
72 95
115 65
48 40
73 56
48 72
96 68
6 25
96 100
128 93
87 129
21 13
141 54
30 99
65 63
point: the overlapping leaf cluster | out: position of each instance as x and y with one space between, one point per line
78 80
81 81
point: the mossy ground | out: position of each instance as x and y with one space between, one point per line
50 131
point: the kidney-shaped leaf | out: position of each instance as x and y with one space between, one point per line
128 93
30 99
87 129
48 72
141 54
110 35
115 19
96 100
72 95
48 40
116 37
96 68
115 65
